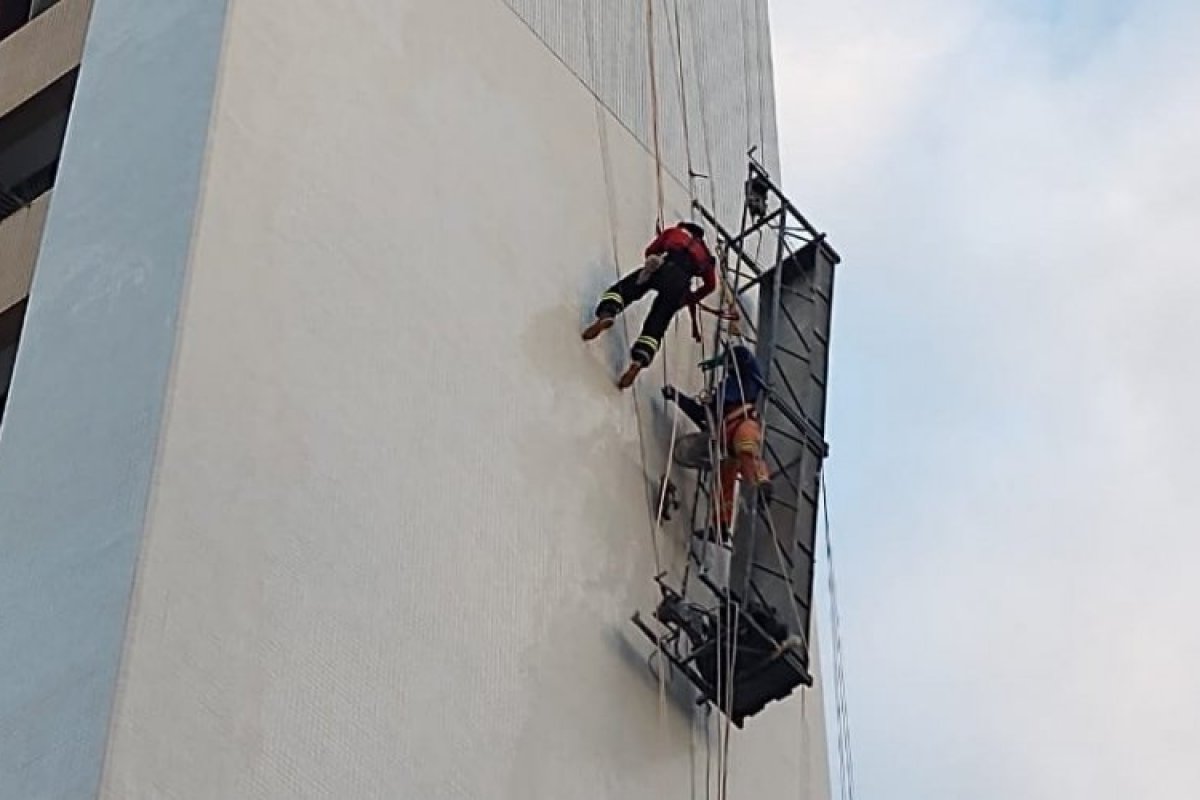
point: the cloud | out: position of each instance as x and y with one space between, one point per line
1016 446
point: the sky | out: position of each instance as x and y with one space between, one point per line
1014 482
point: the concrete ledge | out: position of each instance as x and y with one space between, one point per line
47 48
20 237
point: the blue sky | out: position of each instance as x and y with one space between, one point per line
1015 428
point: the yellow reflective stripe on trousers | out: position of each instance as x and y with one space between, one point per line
649 341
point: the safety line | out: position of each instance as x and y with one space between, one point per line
656 522
658 164
614 244
845 753
585 82
745 71
683 107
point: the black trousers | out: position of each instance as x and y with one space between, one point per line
692 409
672 282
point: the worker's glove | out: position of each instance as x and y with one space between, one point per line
696 335
652 265
669 392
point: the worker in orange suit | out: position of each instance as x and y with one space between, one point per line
733 408
742 437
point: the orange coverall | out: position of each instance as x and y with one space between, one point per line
742 435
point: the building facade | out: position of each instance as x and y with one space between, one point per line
308 487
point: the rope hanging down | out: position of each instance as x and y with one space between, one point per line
657 514
614 252
715 445
683 108
845 754
658 163
725 315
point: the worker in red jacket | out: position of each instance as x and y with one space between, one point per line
676 255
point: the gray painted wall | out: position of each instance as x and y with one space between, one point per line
78 442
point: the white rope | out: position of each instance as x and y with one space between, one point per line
683 107
606 159
731 670
745 71
658 162
845 754
704 129
760 70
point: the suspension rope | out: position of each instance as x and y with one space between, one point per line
612 214
725 330
659 222
664 482
731 672
674 22
845 754
658 164
731 666
683 107
741 4
614 246
760 70
707 752
704 131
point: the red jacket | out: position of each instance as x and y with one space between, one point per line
679 241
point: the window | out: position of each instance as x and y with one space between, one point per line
14 14
31 140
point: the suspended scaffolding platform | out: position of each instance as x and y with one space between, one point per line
744 641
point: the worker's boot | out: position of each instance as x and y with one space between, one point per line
627 378
598 326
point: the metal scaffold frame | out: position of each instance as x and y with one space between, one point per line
755 624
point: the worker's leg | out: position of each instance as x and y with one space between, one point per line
753 469
621 294
671 284
745 445
723 513
614 300
744 462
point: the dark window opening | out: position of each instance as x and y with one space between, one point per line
13 14
11 322
38 6
31 140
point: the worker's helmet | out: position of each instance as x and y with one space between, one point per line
693 229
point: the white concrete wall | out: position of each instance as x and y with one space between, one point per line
399 519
